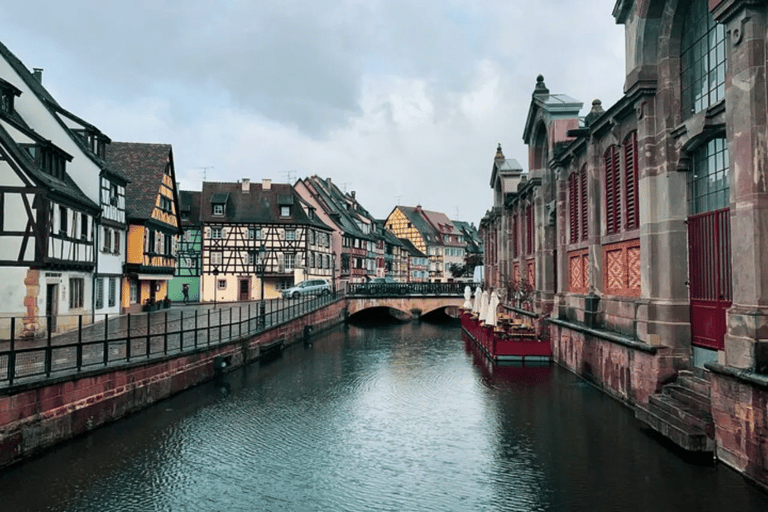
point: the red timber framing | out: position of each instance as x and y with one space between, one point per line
709 263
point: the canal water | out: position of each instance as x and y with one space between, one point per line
403 417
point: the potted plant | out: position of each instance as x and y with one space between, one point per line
166 302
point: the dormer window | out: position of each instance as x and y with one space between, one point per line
7 93
218 209
285 211
49 159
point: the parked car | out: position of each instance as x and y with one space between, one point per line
309 287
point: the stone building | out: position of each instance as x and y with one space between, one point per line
639 232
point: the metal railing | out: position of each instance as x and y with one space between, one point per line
399 289
120 340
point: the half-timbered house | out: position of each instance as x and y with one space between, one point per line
188 251
259 239
351 233
46 221
85 146
153 220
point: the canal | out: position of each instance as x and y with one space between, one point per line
402 417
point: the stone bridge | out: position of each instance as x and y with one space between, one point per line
409 306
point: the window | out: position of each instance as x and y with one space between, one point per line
612 191
577 202
218 209
290 261
167 245
312 237
290 234
107 235
216 258
133 288
62 220
83 226
221 284
112 291
76 292
254 233
621 189
285 211
529 245
116 242
99 291
113 191
165 204
702 60
216 233
311 260
708 182
631 211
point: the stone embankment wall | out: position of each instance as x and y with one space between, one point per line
35 417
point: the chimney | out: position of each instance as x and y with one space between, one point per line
246 186
353 194
38 74
418 207
266 184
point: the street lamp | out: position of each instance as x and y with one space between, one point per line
215 284
261 267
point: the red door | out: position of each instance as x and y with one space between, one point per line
709 271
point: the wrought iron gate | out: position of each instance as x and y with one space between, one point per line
709 275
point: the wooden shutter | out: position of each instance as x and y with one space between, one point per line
630 181
529 230
612 191
573 207
583 203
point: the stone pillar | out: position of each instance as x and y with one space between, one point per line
561 241
746 129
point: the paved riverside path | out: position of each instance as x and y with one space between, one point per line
152 335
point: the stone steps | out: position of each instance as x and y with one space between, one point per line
681 412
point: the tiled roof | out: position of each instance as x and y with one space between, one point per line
412 250
256 206
65 188
190 207
144 164
334 202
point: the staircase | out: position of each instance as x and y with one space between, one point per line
681 412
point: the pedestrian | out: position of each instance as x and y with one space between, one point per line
185 291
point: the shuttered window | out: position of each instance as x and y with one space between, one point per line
529 229
630 181
573 207
612 191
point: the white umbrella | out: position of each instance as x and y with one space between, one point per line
467 298
483 306
476 305
490 317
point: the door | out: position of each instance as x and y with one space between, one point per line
709 274
245 289
51 305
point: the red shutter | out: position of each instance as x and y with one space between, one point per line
573 207
514 235
529 234
630 182
612 191
583 200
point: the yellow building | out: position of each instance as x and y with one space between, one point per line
153 221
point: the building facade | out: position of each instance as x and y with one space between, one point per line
638 231
189 250
153 221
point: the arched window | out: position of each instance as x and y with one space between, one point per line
702 60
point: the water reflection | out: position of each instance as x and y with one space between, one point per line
384 417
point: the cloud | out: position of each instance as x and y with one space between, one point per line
399 100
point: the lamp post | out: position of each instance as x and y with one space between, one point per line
215 284
261 267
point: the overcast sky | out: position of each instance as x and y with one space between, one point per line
402 101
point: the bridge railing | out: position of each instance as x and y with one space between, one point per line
400 289
112 341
